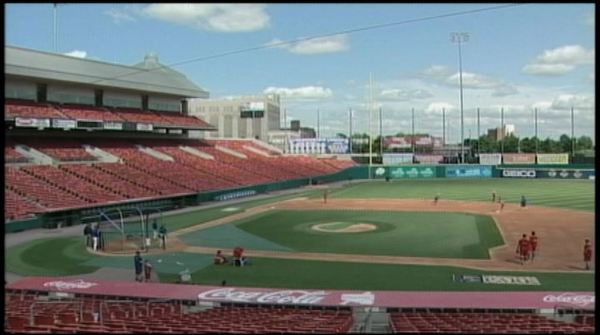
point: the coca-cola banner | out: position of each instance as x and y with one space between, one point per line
429 159
34 123
315 297
518 158
490 159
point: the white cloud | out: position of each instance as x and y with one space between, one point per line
319 45
305 92
568 54
118 15
437 72
592 77
547 69
566 101
559 61
404 94
214 17
541 105
436 108
504 90
472 80
77 53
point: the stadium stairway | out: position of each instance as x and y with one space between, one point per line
370 321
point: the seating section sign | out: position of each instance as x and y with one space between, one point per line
469 171
518 158
553 158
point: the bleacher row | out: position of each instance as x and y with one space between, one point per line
487 323
29 109
85 181
25 313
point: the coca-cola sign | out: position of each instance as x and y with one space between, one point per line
580 300
69 285
274 297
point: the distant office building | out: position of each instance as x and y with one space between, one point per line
497 134
239 117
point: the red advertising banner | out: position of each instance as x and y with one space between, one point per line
518 158
510 299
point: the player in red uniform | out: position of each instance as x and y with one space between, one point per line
533 241
587 254
523 248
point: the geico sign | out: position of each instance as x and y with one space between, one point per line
519 173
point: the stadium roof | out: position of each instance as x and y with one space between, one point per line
148 76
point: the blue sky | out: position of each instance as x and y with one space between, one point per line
516 58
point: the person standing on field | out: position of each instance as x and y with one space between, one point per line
587 254
163 236
494 196
523 249
139 265
533 242
155 229
325 195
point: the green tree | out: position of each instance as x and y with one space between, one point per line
565 143
584 143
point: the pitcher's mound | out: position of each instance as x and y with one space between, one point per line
344 227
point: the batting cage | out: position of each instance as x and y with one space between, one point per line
128 230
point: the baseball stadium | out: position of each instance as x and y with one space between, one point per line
123 216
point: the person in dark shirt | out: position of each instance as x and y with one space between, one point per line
87 232
139 265
163 236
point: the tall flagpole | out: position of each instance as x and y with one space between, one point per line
536 130
55 31
572 134
444 126
502 129
413 130
370 117
478 134
380 134
350 128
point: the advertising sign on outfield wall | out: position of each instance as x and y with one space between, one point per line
144 126
113 125
518 173
411 172
490 159
565 174
469 171
429 159
553 158
397 159
64 124
518 158
34 123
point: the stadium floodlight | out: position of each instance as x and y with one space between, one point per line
458 37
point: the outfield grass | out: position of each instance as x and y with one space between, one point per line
574 194
412 234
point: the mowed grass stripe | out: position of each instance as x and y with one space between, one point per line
575 194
